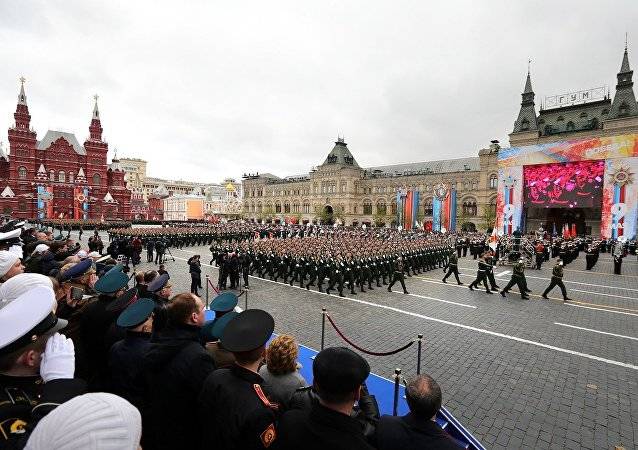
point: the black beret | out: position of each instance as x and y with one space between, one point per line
339 370
248 331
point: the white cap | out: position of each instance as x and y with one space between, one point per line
13 234
28 317
94 255
14 287
89 422
7 260
81 254
40 248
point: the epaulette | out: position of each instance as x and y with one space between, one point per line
263 398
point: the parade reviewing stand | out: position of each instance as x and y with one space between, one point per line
96 354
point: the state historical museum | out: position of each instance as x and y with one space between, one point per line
57 177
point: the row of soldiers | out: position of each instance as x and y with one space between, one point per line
339 262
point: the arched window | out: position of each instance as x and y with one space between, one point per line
278 207
22 205
61 176
393 208
22 172
259 208
493 181
427 207
381 207
52 175
570 126
469 207
286 207
367 207
306 208
71 178
560 119
97 179
295 207
604 112
525 125
624 109
594 123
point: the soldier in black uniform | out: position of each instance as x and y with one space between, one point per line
322 271
232 403
398 275
245 259
557 280
336 276
452 268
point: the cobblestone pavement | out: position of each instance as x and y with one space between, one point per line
530 374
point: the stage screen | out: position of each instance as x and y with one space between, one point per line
564 185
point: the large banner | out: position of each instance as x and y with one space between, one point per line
620 198
407 208
607 147
579 184
80 202
444 211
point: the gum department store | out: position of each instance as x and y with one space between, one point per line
342 190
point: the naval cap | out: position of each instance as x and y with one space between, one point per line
28 317
111 282
225 301
77 270
7 260
136 313
339 370
213 329
248 331
158 283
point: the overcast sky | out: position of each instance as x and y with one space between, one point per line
203 90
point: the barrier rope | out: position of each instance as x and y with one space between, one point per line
210 283
367 352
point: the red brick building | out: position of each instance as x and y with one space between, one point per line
57 177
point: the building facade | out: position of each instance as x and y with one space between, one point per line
340 190
56 177
184 207
574 162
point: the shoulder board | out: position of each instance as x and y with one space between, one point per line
263 398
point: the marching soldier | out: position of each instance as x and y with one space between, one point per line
557 280
398 275
452 268
518 278
481 275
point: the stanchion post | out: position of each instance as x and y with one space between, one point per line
246 299
207 281
395 405
418 356
323 327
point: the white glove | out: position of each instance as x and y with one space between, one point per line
58 360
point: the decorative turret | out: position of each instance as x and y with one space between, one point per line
527 120
22 116
624 103
95 129
340 155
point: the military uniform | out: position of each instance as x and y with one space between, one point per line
518 278
557 280
452 268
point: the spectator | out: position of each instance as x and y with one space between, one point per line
20 284
125 355
89 422
417 429
175 368
232 402
162 270
281 372
195 269
35 361
338 374
10 265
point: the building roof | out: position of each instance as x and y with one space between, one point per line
340 155
426 167
51 136
572 118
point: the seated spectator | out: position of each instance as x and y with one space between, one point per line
89 422
10 265
417 429
174 369
338 374
280 373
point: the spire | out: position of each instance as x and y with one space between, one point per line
528 83
95 129
22 97
96 111
527 120
624 103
